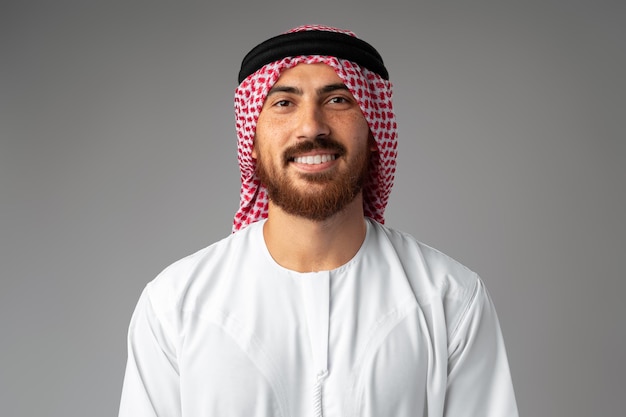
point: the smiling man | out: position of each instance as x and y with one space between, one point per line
313 307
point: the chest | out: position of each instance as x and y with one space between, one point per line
295 347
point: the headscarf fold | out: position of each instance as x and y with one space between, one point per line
372 92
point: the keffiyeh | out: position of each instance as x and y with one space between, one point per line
374 96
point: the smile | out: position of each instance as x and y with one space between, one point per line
314 159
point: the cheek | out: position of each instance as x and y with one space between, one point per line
365 132
264 131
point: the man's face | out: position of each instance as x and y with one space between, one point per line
312 145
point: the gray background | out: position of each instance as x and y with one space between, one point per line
117 157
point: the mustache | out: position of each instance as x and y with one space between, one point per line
321 143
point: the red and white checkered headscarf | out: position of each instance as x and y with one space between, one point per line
373 94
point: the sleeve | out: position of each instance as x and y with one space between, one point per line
151 382
479 380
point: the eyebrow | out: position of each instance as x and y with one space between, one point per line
332 87
295 90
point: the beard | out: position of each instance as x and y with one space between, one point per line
329 193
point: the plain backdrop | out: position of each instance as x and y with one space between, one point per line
118 157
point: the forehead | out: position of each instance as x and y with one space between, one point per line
309 74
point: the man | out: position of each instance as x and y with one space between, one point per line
312 307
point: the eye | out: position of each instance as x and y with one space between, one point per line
338 100
282 103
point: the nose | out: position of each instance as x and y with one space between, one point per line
312 122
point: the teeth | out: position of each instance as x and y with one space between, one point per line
314 160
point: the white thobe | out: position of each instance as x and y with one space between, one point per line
399 330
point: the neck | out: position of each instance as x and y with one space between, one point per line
305 245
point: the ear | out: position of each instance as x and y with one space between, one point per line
372 143
254 153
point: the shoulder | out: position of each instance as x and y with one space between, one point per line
438 281
180 282
416 256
